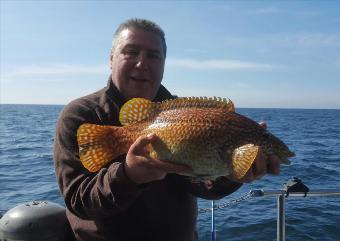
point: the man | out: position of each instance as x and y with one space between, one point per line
135 197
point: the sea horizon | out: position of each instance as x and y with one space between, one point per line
283 108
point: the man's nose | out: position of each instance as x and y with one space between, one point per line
142 61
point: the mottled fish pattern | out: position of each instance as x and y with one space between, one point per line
203 133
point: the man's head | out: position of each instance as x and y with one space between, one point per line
137 58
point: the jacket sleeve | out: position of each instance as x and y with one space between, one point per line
86 194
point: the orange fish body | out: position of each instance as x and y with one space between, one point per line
205 134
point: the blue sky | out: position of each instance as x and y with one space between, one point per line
257 53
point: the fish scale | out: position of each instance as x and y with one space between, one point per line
203 133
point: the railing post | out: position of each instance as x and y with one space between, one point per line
281 217
213 231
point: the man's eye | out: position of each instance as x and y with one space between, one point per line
154 56
131 52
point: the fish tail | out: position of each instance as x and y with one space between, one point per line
242 159
99 145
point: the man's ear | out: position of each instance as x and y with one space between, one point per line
110 61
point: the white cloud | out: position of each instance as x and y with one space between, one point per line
271 10
308 13
318 39
200 51
301 40
264 11
218 64
51 72
58 72
59 69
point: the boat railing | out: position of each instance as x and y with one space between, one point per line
281 196
293 188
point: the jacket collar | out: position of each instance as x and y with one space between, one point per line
115 96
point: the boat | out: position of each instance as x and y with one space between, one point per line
36 221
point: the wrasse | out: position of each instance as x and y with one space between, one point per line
205 134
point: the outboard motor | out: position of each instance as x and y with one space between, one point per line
35 221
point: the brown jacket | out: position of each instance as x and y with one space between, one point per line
107 205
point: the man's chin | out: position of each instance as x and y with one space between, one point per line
143 94
143 91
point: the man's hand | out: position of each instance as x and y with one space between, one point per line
141 168
262 165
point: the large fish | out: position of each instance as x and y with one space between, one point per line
203 133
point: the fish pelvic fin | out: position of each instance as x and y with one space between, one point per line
97 146
242 159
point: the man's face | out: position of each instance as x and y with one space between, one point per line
137 64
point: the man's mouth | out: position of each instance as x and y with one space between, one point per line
140 79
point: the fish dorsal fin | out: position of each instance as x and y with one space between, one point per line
198 102
137 110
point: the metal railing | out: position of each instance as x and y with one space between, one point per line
298 189
281 196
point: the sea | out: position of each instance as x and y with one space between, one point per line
27 174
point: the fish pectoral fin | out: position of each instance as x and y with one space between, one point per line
242 159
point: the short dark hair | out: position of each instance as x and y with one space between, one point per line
143 24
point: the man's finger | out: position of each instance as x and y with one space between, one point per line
274 165
142 142
249 177
263 124
170 167
259 167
